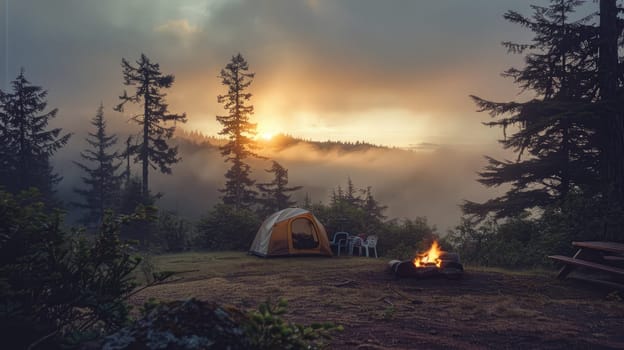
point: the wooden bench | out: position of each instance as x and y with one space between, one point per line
584 263
610 247
600 256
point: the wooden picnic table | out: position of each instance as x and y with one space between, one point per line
601 256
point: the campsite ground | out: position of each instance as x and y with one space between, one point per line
484 309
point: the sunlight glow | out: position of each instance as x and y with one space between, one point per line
267 136
268 127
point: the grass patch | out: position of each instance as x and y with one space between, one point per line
358 293
514 272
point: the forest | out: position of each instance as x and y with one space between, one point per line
71 261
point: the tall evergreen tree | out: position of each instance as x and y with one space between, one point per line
152 150
337 196
374 211
554 140
307 201
101 167
611 92
275 195
351 195
126 155
27 142
238 190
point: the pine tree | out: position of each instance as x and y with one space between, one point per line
307 202
274 195
133 202
373 210
152 149
27 142
554 140
612 124
101 166
238 190
351 196
337 197
126 155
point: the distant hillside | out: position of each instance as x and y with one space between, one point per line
429 182
282 141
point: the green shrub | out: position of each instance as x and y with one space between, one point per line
228 228
584 218
190 324
341 216
516 243
525 241
267 330
195 324
57 286
174 233
402 239
143 228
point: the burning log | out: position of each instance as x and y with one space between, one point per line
434 262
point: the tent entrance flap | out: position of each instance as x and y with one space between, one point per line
304 234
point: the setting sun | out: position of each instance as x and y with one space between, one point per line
267 136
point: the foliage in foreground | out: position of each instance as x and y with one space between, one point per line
57 285
195 324
267 330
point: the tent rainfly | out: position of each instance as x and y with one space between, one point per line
291 231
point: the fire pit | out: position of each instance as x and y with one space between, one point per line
433 262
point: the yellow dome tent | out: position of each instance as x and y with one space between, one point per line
291 231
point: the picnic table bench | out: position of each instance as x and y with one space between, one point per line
601 256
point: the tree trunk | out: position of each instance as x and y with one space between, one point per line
128 160
613 122
145 147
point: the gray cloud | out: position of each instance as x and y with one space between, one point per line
333 58
341 62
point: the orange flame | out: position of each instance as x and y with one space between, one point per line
432 256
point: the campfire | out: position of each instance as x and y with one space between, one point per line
433 262
430 257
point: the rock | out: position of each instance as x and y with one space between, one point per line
190 324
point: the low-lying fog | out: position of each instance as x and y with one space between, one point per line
430 181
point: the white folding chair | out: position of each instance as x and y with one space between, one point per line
370 242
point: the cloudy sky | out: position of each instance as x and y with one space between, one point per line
386 72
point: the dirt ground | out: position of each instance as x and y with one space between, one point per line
485 309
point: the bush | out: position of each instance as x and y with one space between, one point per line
471 242
142 228
174 233
516 243
195 324
58 287
267 330
402 239
190 324
525 241
341 216
586 218
226 228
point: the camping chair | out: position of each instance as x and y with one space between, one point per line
370 242
340 241
355 242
